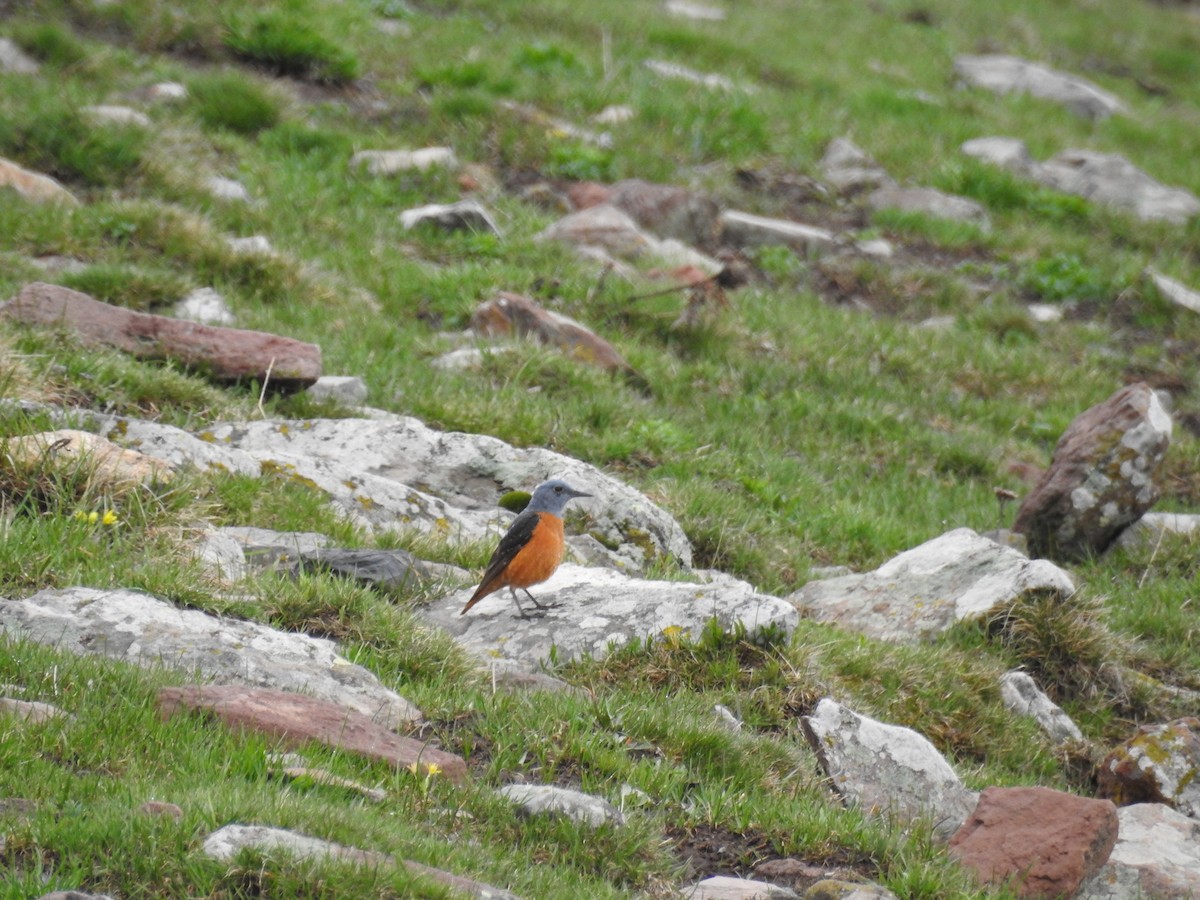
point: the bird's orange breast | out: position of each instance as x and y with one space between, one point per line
537 560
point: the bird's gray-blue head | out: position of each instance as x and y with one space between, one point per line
551 496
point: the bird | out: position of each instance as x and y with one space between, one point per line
532 547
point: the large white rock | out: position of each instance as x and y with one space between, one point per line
923 591
144 630
599 609
1020 694
1157 855
1004 74
887 769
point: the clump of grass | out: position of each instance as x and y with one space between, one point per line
49 43
233 102
1064 277
285 46
128 286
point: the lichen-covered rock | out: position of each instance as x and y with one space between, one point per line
1157 855
1159 764
1102 478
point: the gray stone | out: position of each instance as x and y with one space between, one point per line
545 799
726 887
745 230
115 115
1159 764
221 555
167 92
1004 74
1021 695
667 210
1157 855
1044 313
388 570
74 895
683 73
958 576
31 711
930 202
697 11
835 889
1111 180
288 543
1175 291
251 245
849 170
391 162
887 769
465 215
227 189
469 357
599 609
557 126
348 390
141 629
1008 153
614 115
204 305
602 226
34 186
1153 527
15 60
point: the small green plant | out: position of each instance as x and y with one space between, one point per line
233 102
285 46
1064 277
545 57
579 162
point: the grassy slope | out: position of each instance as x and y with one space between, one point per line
868 436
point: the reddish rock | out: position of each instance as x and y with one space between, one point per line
296 719
1101 479
512 314
230 354
668 211
1158 764
586 194
33 185
1044 842
162 810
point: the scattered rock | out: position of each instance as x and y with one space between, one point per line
1111 180
465 215
230 354
296 719
326 778
614 115
849 170
347 390
886 769
32 185
267 547
545 799
1157 854
667 210
390 162
929 202
166 92
741 229
1021 694
683 73
602 226
1175 291
161 809
697 11
141 629
226 843
15 60
834 889
386 570
115 115
1157 765
726 887
1150 529
227 189
254 244
110 468
557 126
468 357
600 609
204 305
31 712
1102 478
1004 74
1008 153
1044 313
958 576
506 315
74 895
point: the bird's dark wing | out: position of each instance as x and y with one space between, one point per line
510 545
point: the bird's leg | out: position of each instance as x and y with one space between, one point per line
535 603
524 615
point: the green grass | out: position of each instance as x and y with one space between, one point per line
812 422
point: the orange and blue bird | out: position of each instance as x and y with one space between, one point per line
532 547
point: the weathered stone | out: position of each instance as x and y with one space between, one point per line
602 226
835 889
1111 180
545 799
1153 527
32 712
554 125
1175 291
599 609
726 887
667 210
617 114
327 778
231 354
683 73
33 185
1021 694
1157 855
930 202
1008 153
1159 764
1047 842
227 189
886 769
697 11
1103 477
109 467
509 314
74 895
270 546
465 215
295 719
1004 74
348 390
161 809
849 170
469 357
166 92
956 577
204 305
390 162
144 630
741 229
388 570
115 115
254 244
15 60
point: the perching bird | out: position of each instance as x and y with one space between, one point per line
532 547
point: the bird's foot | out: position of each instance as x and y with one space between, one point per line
532 615
546 605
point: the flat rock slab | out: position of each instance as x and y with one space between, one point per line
110 467
392 162
465 215
1157 855
742 229
725 887
1158 764
1153 527
146 631
230 354
924 591
1045 842
887 769
929 202
388 570
546 799
1021 695
1006 74
1103 477
1111 180
599 609
296 719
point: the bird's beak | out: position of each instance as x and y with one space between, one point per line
575 493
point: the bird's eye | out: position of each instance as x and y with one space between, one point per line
558 489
